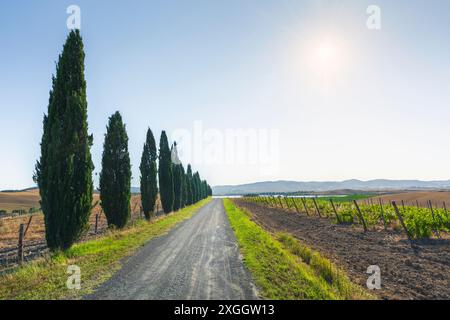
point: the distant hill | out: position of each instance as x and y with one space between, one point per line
22 190
315 186
135 190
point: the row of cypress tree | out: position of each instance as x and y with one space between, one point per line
64 171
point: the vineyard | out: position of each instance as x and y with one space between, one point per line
415 221
410 244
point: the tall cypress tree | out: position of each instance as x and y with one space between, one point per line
210 193
197 187
176 171
204 189
115 177
149 185
165 174
176 186
190 185
183 187
64 171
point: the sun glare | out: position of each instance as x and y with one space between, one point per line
326 57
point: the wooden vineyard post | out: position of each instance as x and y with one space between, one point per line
273 201
434 219
360 216
20 244
295 205
445 209
262 200
335 211
382 214
96 223
287 202
281 203
305 206
417 204
317 208
399 216
403 205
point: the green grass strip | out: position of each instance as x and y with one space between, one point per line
284 269
45 279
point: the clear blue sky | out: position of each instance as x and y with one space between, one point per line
372 104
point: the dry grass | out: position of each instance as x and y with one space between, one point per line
437 198
19 200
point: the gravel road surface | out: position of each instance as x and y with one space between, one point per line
197 260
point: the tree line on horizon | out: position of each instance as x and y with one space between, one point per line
64 171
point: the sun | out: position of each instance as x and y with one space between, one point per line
326 56
327 52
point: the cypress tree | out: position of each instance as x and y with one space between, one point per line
115 177
64 170
165 174
149 186
209 191
183 187
197 187
189 186
176 187
204 189
194 189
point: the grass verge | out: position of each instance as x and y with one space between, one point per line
284 269
98 260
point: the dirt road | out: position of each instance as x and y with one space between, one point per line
199 259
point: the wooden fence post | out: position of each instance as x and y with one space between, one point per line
20 244
305 206
96 223
335 211
28 226
403 224
403 205
317 208
360 216
382 214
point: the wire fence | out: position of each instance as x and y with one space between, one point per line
22 237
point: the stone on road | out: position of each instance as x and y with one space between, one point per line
197 260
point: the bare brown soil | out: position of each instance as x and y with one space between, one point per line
405 274
413 198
